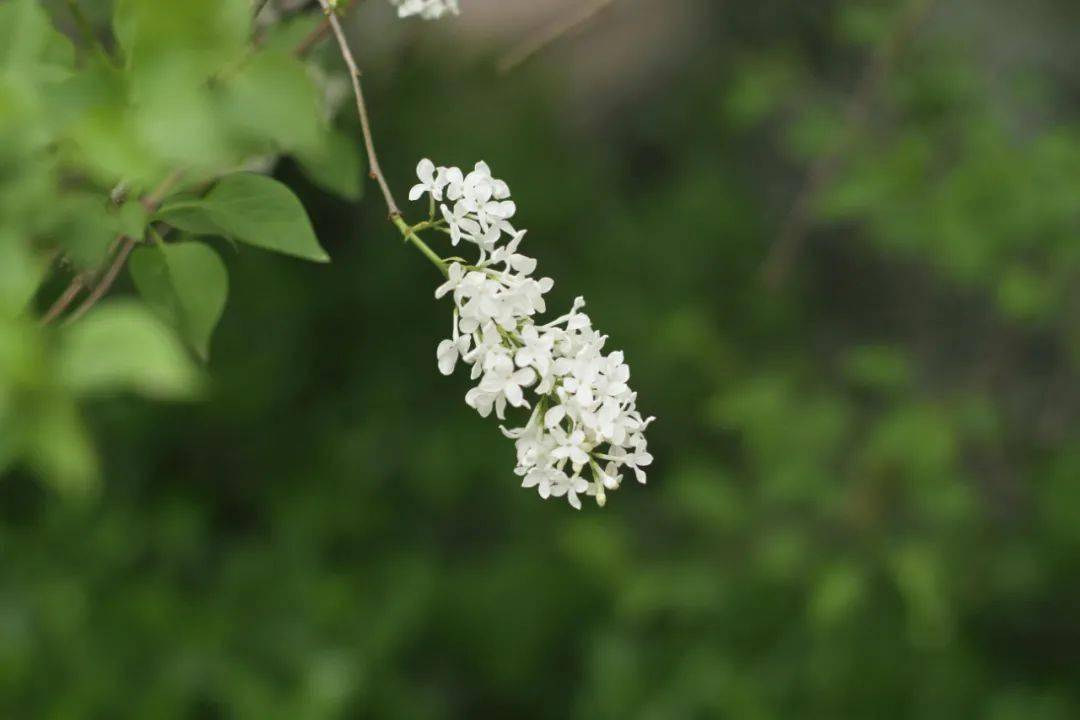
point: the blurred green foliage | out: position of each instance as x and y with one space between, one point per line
866 498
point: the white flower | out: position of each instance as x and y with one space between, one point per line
501 377
448 353
571 447
543 479
432 181
634 459
483 402
570 486
427 9
554 417
455 276
461 226
509 256
585 412
536 351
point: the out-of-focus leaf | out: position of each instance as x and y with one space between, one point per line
273 103
131 220
91 225
172 53
20 273
93 111
921 582
122 346
336 165
29 44
878 367
206 34
837 593
1022 294
760 91
60 449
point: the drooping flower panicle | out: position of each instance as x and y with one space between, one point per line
427 9
583 429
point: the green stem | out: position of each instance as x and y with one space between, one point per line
410 235
259 7
428 225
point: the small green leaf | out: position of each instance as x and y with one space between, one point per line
335 166
252 209
186 212
132 219
187 284
150 272
122 346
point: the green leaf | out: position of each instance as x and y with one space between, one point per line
93 110
20 274
150 272
336 165
187 284
29 44
59 448
274 105
87 230
132 219
173 51
252 209
122 346
205 35
88 224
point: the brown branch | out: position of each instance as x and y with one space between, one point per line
540 40
125 245
361 107
823 172
260 5
320 33
66 298
83 25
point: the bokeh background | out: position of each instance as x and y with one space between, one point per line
838 242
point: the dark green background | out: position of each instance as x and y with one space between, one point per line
865 500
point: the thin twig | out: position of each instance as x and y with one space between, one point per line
540 40
259 7
65 299
151 201
361 107
321 31
125 245
83 25
823 172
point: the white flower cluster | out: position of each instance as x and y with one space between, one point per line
427 9
583 413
